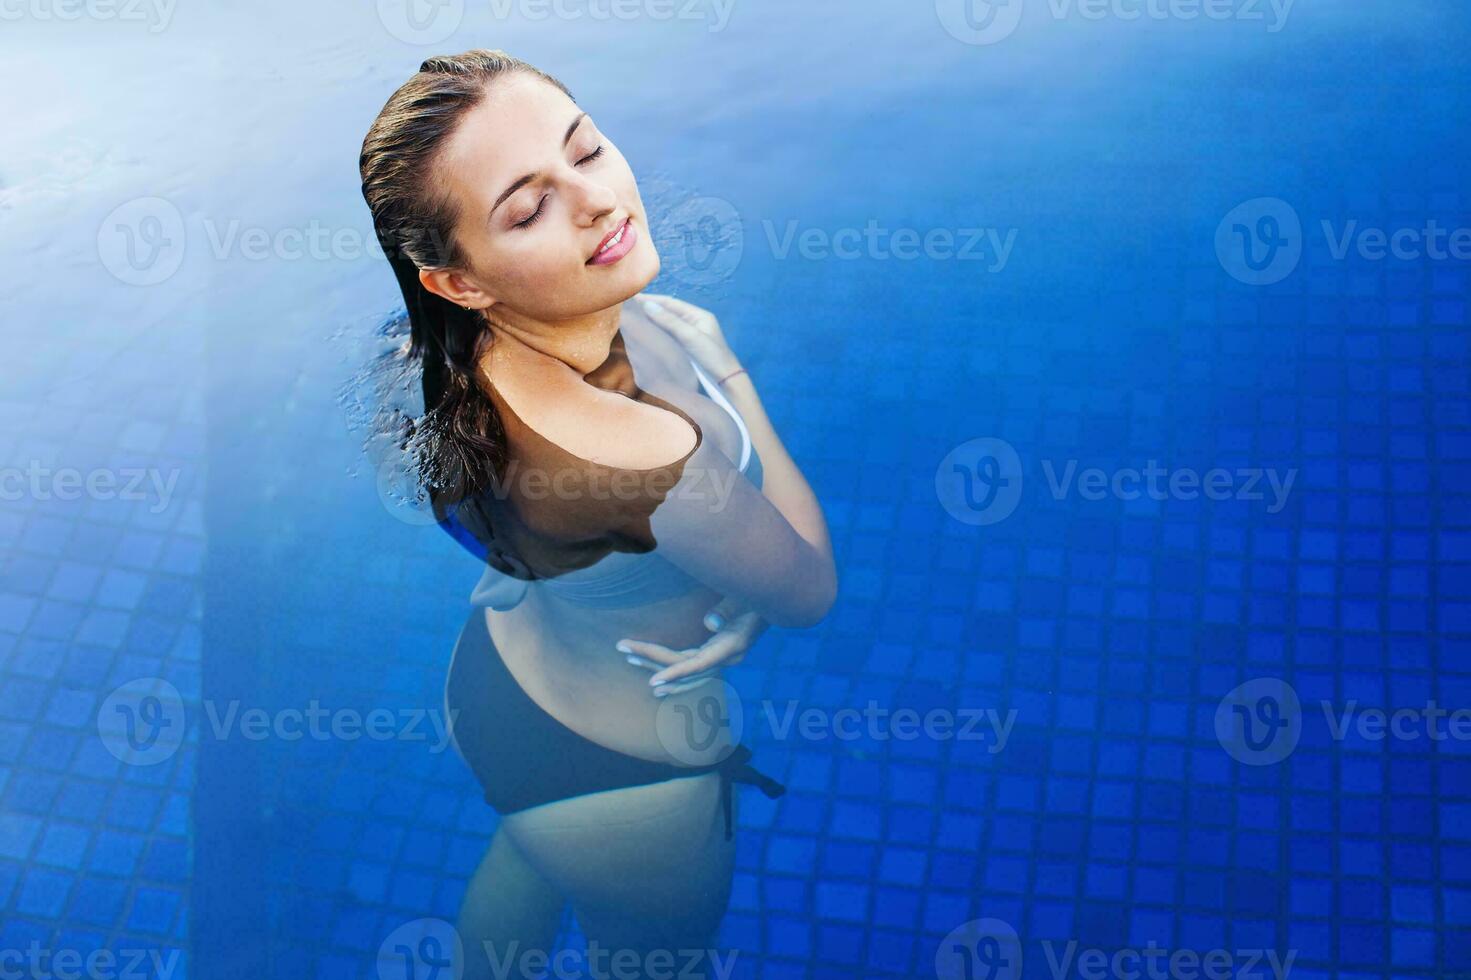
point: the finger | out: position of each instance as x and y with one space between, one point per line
679 318
723 612
652 651
663 309
708 670
682 307
706 657
638 661
671 304
746 626
681 330
688 684
682 333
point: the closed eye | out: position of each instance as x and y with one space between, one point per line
540 205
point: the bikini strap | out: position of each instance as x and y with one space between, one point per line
718 397
736 768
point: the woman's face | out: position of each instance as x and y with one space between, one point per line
539 189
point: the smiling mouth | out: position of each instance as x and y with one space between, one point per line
616 245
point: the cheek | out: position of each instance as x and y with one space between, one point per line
615 173
524 268
627 183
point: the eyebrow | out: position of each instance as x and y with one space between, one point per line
523 181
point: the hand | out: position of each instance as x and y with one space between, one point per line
696 329
736 630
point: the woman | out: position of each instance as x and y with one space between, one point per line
611 462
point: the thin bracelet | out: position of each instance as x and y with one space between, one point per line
729 376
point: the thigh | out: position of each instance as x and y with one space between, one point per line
645 861
643 866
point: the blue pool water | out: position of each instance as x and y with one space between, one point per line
1088 309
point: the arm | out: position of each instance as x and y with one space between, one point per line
719 528
783 483
786 542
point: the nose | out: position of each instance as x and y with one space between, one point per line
592 199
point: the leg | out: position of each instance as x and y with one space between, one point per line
647 868
507 902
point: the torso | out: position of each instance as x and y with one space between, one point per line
563 654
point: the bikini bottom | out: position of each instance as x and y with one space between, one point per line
523 757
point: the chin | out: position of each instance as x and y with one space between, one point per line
650 266
639 268
633 274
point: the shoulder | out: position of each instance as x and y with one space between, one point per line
604 428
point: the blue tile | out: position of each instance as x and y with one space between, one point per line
153 910
167 860
63 845
97 902
17 835
43 893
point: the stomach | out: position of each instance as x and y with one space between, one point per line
562 654
563 657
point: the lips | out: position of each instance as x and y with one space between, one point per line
618 243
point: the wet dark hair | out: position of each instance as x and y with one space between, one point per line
459 443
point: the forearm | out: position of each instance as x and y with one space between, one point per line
782 482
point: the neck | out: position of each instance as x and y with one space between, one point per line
581 343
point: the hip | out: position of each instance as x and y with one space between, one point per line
524 757
565 661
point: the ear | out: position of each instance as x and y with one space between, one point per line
455 287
